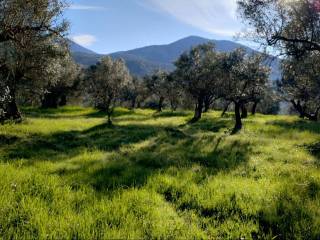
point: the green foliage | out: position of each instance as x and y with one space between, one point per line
67 82
31 40
106 82
300 83
66 174
290 26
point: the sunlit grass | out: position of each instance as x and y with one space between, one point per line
67 174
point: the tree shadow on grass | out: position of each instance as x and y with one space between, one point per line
169 149
210 125
166 147
166 114
62 145
314 150
73 112
116 113
289 217
300 125
54 113
8 139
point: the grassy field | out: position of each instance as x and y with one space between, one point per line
66 174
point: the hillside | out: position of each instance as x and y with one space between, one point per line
66 174
145 60
76 48
82 55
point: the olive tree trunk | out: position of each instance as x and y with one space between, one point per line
63 101
160 104
244 111
133 103
225 109
207 104
11 110
50 100
198 110
254 108
303 113
238 125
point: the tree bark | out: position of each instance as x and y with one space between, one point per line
50 100
133 103
173 106
63 100
311 117
299 108
254 108
238 125
109 109
160 105
109 113
12 111
207 104
225 110
303 113
244 111
198 110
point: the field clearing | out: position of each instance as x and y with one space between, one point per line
66 174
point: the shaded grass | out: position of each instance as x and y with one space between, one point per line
67 174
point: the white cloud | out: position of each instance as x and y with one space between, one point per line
85 40
213 16
85 7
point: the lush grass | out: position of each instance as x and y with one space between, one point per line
67 174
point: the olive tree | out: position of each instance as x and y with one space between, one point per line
198 73
135 93
31 35
244 78
300 85
157 84
106 82
4 99
174 91
291 26
65 83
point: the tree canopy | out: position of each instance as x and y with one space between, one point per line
106 82
291 26
31 37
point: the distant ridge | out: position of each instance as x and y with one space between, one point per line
145 60
74 47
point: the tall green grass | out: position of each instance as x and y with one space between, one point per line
66 174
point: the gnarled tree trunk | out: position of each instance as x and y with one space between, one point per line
254 108
133 102
50 100
173 106
11 110
225 109
207 104
303 113
160 104
244 112
63 101
198 110
238 125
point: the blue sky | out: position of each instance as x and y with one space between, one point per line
107 26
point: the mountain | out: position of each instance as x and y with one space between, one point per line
142 61
76 48
167 54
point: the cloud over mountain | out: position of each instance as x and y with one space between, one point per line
85 40
213 16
